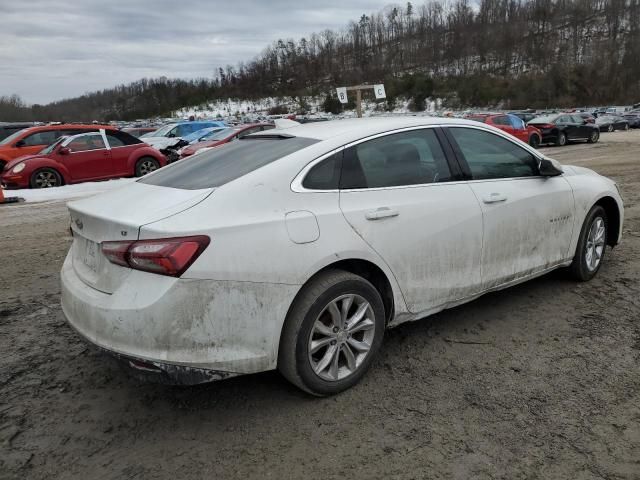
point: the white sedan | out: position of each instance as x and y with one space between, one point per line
296 248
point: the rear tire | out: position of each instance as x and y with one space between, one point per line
592 245
534 141
332 333
561 139
594 137
45 178
146 165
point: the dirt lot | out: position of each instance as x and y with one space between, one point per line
539 381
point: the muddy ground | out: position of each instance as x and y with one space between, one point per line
538 381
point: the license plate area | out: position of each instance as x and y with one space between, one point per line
90 256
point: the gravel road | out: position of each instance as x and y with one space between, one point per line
538 381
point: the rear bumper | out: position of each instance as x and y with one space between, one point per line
203 329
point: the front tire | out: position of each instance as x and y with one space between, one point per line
146 165
561 139
594 137
45 178
332 333
591 247
534 141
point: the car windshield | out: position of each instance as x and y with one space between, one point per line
219 135
545 119
222 165
162 131
202 134
51 148
11 138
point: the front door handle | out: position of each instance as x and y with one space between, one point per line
494 198
382 212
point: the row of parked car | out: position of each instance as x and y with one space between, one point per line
557 128
41 156
44 156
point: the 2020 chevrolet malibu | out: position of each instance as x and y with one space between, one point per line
297 248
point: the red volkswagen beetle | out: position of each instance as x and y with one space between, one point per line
96 155
510 124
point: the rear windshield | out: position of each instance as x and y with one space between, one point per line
224 164
546 119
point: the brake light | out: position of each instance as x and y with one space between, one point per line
164 256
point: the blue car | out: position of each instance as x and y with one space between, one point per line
182 129
202 134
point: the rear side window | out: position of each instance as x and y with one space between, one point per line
325 175
407 158
491 156
121 139
502 120
42 138
227 163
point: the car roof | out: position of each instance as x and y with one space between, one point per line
67 126
360 127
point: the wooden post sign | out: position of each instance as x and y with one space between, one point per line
378 91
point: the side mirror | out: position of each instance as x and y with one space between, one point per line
64 151
20 143
549 168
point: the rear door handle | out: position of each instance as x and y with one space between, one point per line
382 212
494 198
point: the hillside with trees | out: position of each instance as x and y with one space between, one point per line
521 53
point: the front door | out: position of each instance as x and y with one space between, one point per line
88 158
399 195
528 219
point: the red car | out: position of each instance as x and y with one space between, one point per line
97 155
510 124
224 136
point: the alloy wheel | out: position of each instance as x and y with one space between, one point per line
341 337
46 179
595 244
147 166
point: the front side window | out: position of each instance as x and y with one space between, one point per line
491 156
42 138
408 158
86 143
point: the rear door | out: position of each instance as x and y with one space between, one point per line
403 197
89 157
528 219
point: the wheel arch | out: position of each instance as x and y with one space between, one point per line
367 269
60 169
613 219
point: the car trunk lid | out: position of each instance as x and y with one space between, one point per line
119 215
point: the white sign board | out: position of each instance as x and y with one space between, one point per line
342 94
379 91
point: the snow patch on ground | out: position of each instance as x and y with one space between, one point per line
67 192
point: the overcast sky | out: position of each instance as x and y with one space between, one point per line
54 49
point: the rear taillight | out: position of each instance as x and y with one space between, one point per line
164 256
